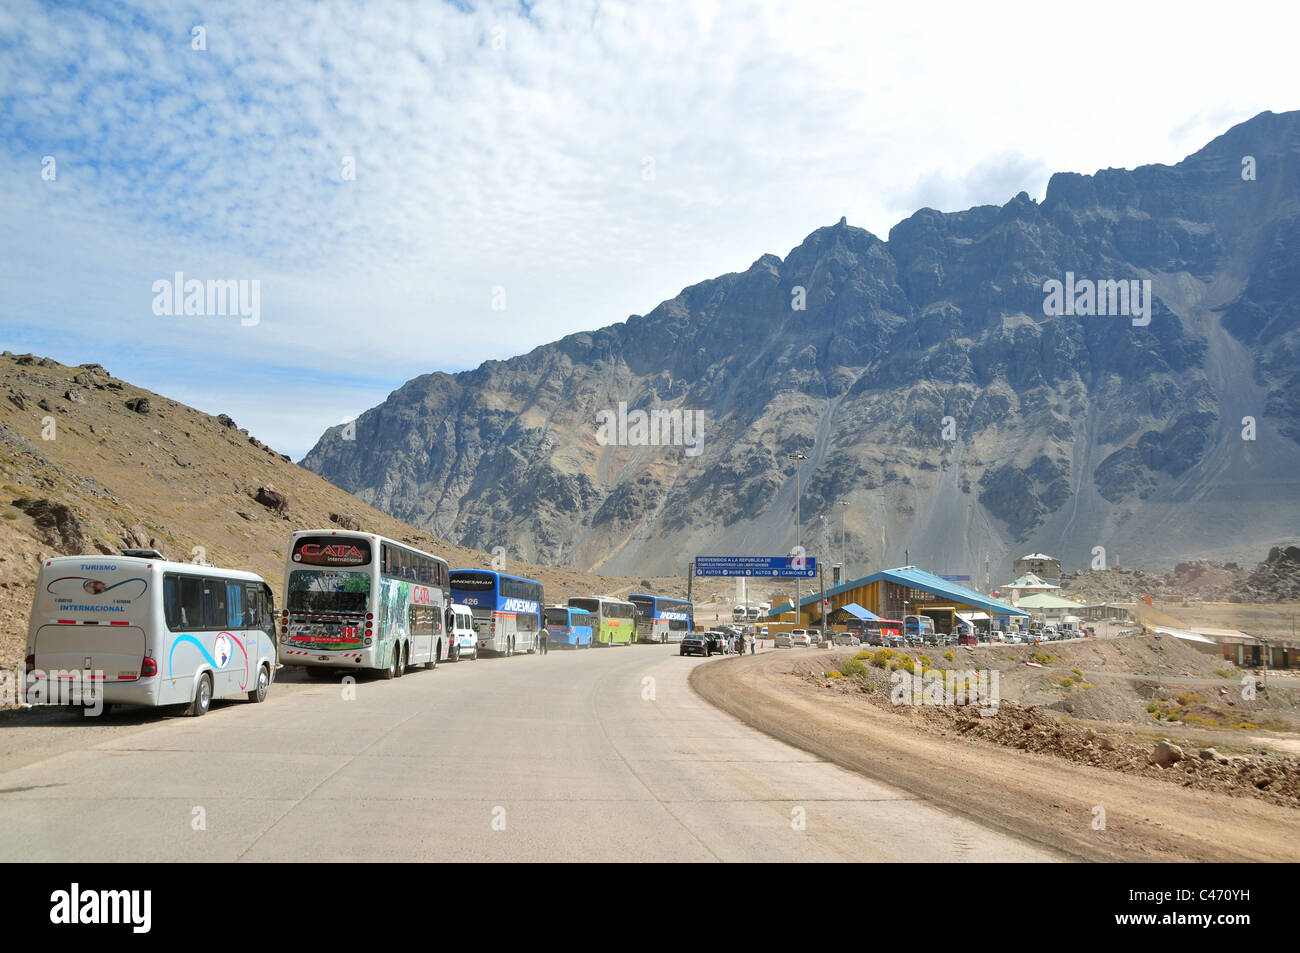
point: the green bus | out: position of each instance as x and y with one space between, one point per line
613 621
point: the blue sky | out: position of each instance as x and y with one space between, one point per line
586 160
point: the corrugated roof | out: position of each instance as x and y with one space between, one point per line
1030 581
920 579
855 610
1045 600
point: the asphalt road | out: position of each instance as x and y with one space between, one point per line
599 755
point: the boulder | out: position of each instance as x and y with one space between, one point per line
272 499
345 521
59 525
1166 753
139 404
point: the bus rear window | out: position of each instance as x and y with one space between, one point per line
314 590
557 616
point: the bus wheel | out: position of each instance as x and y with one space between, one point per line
437 653
394 664
259 693
202 697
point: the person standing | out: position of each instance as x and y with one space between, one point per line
542 637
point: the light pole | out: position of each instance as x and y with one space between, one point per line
844 564
797 457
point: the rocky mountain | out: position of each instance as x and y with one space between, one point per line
965 386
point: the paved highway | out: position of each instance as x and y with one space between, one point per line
602 755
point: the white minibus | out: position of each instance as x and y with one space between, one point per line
138 629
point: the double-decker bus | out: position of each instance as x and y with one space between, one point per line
566 625
613 621
360 601
661 619
507 610
876 631
918 627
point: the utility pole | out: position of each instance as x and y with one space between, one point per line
821 572
745 585
1159 663
844 564
797 457
690 579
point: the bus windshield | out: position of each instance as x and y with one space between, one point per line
557 616
312 590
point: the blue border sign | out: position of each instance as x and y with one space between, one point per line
778 567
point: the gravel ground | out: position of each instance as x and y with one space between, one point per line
1074 805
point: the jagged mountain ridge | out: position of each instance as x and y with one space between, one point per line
1071 432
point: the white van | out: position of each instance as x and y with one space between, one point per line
137 629
460 629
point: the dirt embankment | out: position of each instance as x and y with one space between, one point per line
1085 805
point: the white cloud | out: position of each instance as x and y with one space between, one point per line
523 166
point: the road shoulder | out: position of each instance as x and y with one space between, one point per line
1034 797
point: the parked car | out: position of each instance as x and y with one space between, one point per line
846 638
967 638
894 641
696 643
801 637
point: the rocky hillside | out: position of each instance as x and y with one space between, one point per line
89 463
925 381
1275 580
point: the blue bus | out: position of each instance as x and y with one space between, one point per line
566 625
661 619
507 610
918 628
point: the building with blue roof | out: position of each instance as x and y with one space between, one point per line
894 593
